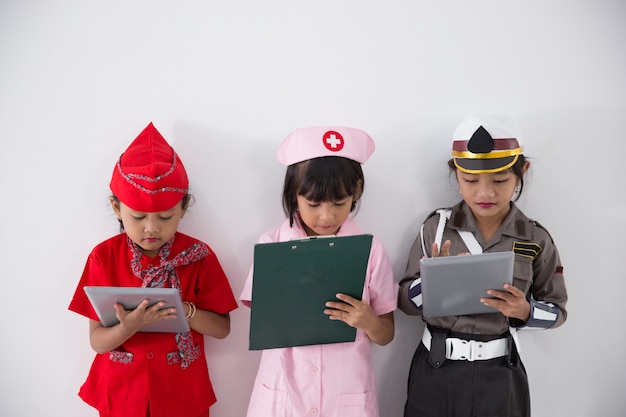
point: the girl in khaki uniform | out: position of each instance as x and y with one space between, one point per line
469 365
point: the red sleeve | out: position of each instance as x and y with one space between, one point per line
213 291
108 264
92 275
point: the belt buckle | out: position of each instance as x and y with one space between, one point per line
475 352
468 350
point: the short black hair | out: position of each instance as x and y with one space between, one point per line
186 200
328 178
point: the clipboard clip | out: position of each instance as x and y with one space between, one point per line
308 238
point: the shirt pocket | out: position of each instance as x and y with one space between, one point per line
523 273
117 376
268 402
355 405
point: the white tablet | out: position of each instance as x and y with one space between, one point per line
103 298
454 285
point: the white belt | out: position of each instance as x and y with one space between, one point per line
470 350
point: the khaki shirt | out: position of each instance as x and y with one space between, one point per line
538 270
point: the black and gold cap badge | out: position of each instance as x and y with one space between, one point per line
483 144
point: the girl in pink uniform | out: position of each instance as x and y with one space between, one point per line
139 374
323 184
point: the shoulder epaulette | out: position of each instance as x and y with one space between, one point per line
539 225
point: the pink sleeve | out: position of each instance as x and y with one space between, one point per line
383 288
246 293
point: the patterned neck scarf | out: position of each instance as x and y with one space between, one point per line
164 274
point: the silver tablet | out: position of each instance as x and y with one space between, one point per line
103 298
454 285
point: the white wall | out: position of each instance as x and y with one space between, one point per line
225 81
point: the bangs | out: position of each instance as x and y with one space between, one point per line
328 178
325 182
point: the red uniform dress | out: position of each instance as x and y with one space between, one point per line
144 376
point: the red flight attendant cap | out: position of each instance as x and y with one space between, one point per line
149 176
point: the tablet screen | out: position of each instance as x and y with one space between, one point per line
454 285
103 299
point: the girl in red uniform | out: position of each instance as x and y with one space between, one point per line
139 374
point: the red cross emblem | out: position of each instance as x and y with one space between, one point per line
333 141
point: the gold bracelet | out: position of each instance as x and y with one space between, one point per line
188 309
192 309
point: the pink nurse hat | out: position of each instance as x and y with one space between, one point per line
314 142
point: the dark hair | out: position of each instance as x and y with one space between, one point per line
329 178
517 169
186 200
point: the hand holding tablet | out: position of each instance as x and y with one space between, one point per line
103 300
454 285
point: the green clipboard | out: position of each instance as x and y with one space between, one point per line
293 280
